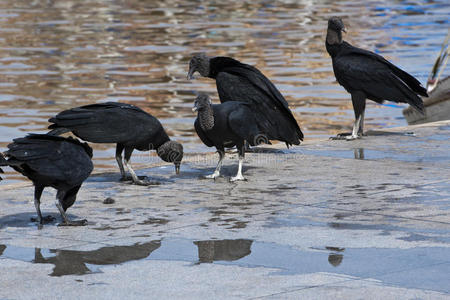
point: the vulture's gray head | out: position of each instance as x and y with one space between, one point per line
171 151
199 63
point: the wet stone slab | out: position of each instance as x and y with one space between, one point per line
328 217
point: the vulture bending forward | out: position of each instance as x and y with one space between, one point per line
126 125
61 163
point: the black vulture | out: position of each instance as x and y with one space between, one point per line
227 125
61 163
366 75
124 124
236 81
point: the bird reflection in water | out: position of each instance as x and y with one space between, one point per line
225 250
71 262
359 153
335 259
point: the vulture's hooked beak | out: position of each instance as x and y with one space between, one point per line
195 108
190 74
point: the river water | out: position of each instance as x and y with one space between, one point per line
55 55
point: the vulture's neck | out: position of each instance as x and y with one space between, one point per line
206 118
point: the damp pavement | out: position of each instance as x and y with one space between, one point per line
366 219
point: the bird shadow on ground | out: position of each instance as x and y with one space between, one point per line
115 178
198 172
187 172
265 150
379 132
24 219
225 172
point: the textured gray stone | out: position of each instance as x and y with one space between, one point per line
329 219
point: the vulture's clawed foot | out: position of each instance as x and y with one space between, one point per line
212 176
237 178
341 136
74 223
145 182
346 136
352 137
44 220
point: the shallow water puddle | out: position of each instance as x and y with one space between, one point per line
71 262
375 263
371 154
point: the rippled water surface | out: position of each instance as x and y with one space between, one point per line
58 54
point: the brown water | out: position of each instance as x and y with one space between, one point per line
59 54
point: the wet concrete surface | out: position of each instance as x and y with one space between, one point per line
349 220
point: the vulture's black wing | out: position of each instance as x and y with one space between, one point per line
108 123
360 70
51 157
240 82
